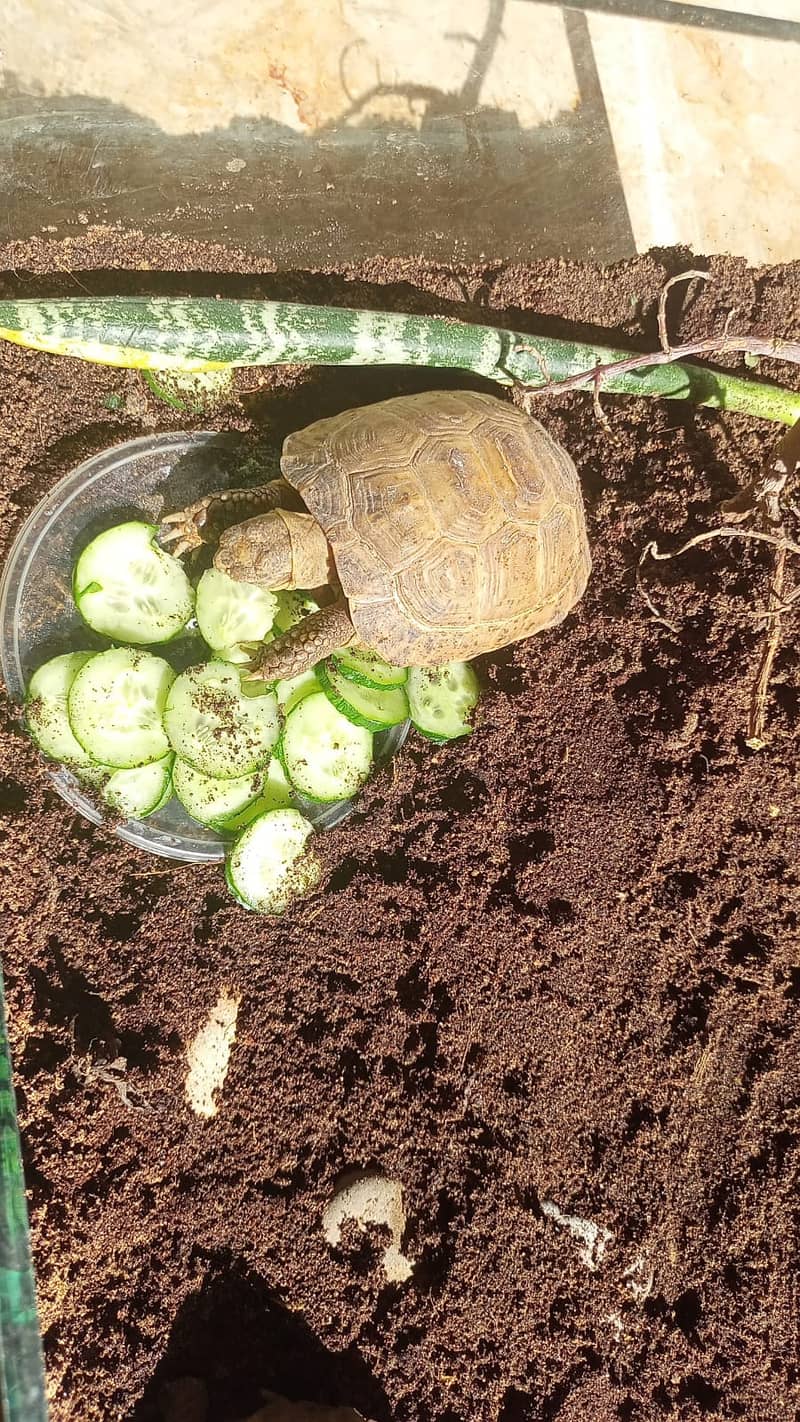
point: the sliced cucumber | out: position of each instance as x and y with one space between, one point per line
442 699
140 792
46 709
269 866
215 727
292 607
367 706
366 668
210 800
129 589
241 654
276 794
93 776
116 704
292 690
325 756
231 614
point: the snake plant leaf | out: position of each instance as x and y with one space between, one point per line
194 335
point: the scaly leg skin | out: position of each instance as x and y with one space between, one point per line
305 644
204 521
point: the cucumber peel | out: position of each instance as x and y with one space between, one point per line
377 709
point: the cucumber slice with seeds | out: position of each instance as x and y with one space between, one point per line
292 607
115 707
367 706
325 756
215 727
46 709
140 792
442 699
276 794
231 614
294 688
368 669
129 589
269 866
212 801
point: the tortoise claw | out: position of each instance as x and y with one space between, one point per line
183 530
184 545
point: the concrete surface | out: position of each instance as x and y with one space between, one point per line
502 127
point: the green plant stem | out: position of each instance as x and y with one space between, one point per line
191 335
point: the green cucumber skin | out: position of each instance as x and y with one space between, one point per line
165 799
357 717
440 740
196 334
359 679
234 892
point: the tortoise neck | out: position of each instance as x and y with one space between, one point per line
311 560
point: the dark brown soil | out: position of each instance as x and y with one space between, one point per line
556 963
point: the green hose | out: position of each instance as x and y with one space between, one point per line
22 1388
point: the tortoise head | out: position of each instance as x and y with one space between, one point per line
285 549
280 549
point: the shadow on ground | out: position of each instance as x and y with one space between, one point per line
236 1336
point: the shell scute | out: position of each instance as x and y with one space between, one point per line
455 520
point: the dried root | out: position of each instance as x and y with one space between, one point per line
764 500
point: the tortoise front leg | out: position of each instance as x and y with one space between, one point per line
204 520
305 644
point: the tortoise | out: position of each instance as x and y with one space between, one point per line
447 524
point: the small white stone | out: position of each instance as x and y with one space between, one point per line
371 1199
617 1325
593 1238
639 1278
209 1054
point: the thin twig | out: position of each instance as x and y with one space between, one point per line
734 311
778 540
774 346
540 359
656 615
600 414
663 335
758 702
777 604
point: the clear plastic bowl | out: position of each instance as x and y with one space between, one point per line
144 478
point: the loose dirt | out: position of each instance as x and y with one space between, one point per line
550 988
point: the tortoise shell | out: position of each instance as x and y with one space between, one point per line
456 522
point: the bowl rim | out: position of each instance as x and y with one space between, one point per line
24 548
